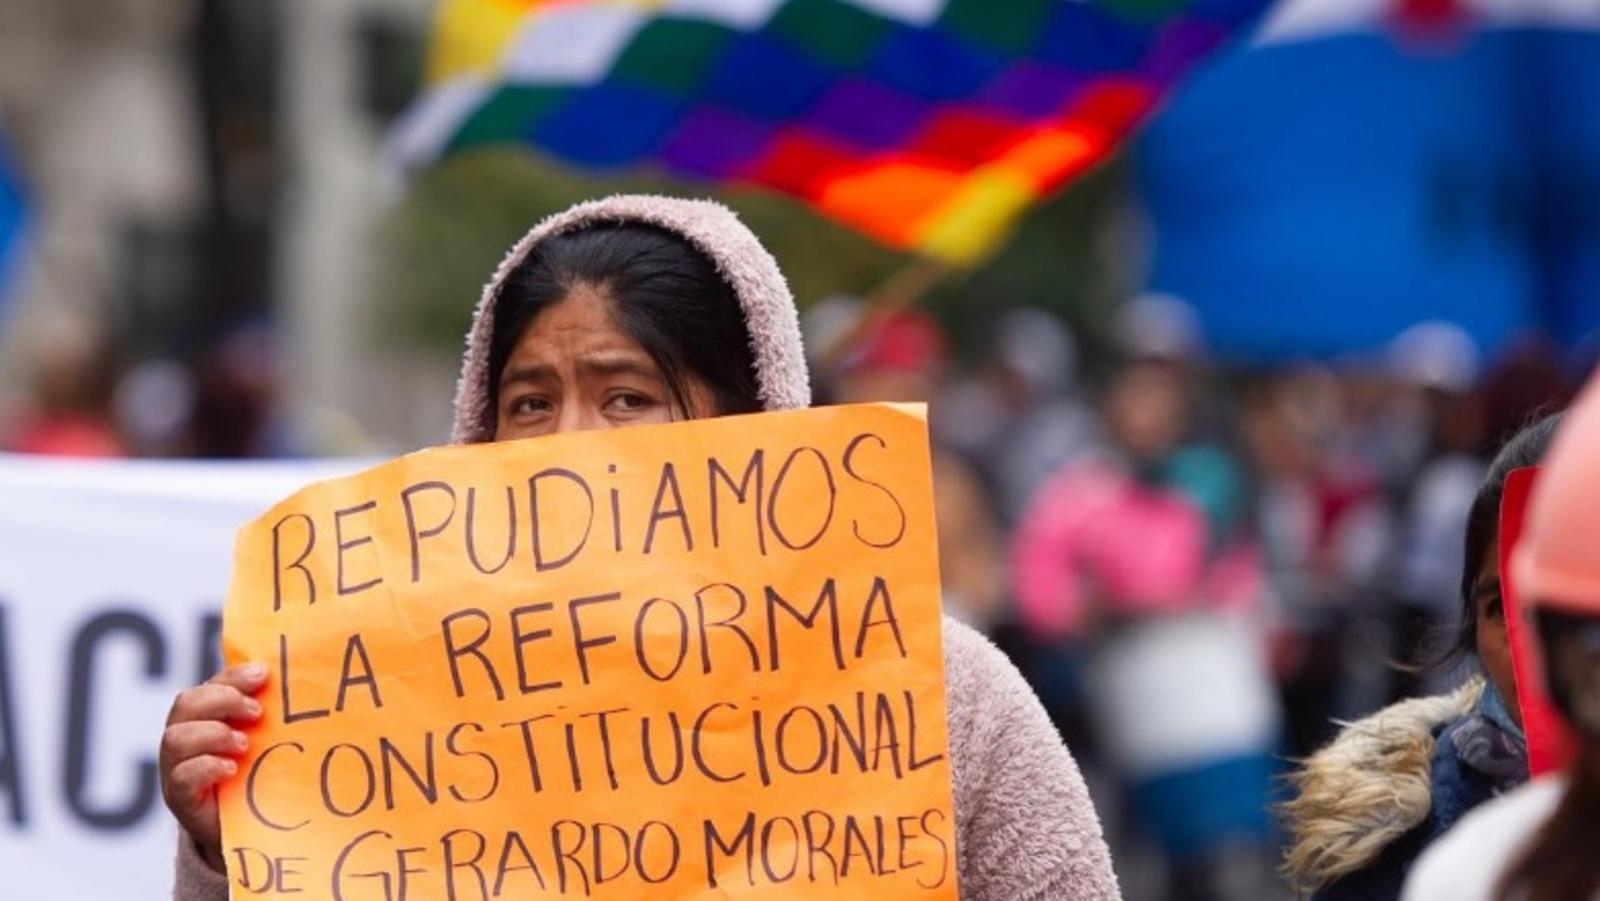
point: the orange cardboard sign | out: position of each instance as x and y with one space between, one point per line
698 660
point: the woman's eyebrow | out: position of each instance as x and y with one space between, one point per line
621 365
535 374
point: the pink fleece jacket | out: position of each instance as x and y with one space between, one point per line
1025 828
1096 542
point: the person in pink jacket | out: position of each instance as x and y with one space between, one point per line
1137 558
636 310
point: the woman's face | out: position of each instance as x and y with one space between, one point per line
575 369
1493 647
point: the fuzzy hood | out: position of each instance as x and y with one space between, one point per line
752 273
1368 787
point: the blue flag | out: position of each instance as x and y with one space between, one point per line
1320 192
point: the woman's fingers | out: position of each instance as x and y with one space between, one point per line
247 678
192 779
188 793
199 743
214 701
183 741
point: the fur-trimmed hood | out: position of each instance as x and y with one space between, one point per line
769 310
1367 788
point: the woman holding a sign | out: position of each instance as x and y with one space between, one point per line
645 310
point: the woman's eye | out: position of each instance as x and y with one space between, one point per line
1495 611
525 406
629 402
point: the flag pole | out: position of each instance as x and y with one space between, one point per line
904 287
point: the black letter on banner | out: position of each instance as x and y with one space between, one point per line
827 598
511 531
299 562
715 473
411 522
251 799
849 468
341 546
452 652
106 625
777 489
745 838
580 643
880 589
290 715
352 649
731 623
669 478
10 747
539 563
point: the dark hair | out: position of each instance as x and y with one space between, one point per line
1526 448
665 294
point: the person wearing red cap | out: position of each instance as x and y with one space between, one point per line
1538 843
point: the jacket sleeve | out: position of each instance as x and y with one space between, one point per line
1025 827
195 880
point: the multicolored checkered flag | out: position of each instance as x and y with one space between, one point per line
927 124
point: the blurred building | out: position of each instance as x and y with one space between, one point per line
201 169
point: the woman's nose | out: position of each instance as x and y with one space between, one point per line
579 418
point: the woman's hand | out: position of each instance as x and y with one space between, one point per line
198 750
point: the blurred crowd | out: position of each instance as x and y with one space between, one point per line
84 395
1201 569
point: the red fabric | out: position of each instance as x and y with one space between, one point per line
1550 745
965 137
65 435
1115 104
1429 15
903 341
801 163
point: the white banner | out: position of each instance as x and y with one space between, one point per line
112 577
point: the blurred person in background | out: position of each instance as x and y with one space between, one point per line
1437 366
154 408
1322 527
902 356
1019 418
1524 382
1141 557
1538 843
1367 805
68 411
1021 415
236 399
